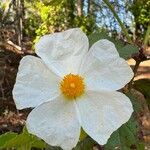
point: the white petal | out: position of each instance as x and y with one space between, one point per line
35 83
63 51
102 68
55 122
101 113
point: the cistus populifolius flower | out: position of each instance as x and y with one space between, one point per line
71 86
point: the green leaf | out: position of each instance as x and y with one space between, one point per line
94 37
52 148
126 137
136 102
143 86
125 50
86 144
5 138
83 135
52 2
21 141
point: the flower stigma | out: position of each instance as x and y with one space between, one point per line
72 86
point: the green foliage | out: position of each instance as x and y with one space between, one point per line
86 23
31 25
48 16
58 16
126 137
94 37
6 138
140 10
20 141
125 50
53 2
143 86
83 135
86 144
55 17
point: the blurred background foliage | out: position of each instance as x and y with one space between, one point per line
36 18
124 22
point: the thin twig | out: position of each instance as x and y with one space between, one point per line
119 21
138 59
134 71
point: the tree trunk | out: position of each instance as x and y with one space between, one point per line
80 7
91 7
88 7
18 8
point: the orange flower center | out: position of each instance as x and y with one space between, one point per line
72 86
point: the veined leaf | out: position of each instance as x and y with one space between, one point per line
143 86
125 50
20 141
5 138
86 144
126 137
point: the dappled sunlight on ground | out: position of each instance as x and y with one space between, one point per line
143 70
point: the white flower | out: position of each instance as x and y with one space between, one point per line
71 87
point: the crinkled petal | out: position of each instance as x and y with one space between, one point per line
35 83
63 51
55 122
101 113
103 69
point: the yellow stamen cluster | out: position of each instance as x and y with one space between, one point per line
72 86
